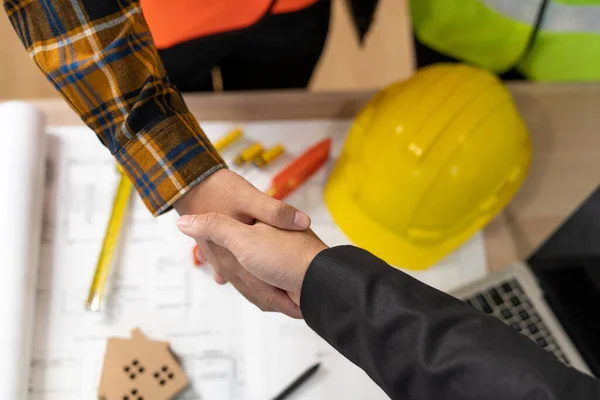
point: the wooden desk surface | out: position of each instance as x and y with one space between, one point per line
564 124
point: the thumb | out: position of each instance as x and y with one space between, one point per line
278 213
212 227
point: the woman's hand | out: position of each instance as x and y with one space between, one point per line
279 258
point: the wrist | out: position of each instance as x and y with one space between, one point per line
192 201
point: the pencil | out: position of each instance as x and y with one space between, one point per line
297 382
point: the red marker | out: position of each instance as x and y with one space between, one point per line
299 170
197 261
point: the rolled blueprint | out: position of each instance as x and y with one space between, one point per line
22 160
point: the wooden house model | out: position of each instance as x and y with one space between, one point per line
138 368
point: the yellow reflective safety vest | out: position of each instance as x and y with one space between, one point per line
494 34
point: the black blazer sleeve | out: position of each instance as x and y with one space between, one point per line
418 343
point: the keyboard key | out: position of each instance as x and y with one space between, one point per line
517 290
496 297
506 314
524 315
532 329
559 354
542 342
485 307
507 288
516 326
515 301
526 305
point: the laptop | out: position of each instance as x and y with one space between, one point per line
556 304
554 297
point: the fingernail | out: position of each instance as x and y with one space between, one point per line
301 220
185 221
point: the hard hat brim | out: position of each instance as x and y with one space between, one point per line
368 234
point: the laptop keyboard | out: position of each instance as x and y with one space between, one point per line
508 302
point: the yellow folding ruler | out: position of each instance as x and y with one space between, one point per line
111 238
113 230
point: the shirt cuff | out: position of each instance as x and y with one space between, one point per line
167 159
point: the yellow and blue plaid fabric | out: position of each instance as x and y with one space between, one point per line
100 56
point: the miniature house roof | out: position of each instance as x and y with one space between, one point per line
138 368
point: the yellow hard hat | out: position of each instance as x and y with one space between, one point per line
427 163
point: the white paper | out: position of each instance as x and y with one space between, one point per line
22 156
230 350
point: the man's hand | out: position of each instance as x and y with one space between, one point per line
277 257
227 193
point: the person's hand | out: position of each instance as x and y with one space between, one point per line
277 257
228 193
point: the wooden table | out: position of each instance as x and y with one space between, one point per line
564 124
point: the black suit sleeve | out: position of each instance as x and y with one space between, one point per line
416 342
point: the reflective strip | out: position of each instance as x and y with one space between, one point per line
558 17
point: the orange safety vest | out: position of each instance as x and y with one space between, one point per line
176 21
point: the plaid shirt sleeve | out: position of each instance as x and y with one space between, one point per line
100 56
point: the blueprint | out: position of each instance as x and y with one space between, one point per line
229 349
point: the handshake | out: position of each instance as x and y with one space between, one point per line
260 245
